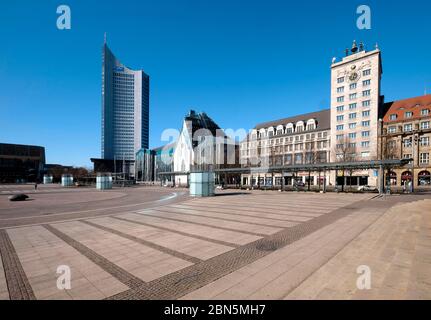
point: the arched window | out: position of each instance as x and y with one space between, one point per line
392 178
262 133
406 177
311 125
280 130
270 132
290 128
424 178
300 126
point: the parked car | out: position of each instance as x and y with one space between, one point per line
300 184
367 189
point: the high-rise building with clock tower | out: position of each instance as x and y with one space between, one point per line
355 106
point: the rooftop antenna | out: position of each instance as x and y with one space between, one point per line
354 47
377 46
104 38
425 93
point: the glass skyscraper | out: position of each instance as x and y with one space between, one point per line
125 109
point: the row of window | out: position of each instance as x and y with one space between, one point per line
408 127
297 146
352 135
300 158
407 143
353 96
353 116
352 156
352 145
279 132
340 127
354 86
424 157
409 114
353 106
271 133
312 136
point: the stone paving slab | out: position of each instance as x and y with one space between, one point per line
302 208
260 245
274 275
397 250
41 253
187 245
141 261
235 237
246 212
233 216
218 223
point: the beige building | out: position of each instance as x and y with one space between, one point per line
355 101
407 134
303 139
358 127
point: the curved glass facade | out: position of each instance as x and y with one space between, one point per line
125 109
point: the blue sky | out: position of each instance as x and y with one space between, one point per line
241 61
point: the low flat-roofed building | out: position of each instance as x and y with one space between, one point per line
120 168
21 163
151 162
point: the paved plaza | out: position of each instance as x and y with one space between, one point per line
156 243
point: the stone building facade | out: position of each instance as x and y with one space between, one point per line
359 126
407 134
303 139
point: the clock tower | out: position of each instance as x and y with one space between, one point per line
355 102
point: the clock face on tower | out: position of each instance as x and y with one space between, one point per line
354 76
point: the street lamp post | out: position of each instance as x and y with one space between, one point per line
414 142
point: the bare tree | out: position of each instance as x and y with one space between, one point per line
345 151
390 150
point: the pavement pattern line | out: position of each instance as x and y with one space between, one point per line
268 201
144 213
117 272
169 251
270 277
235 237
242 214
182 282
16 279
211 215
245 213
142 261
304 211
223 243
41 254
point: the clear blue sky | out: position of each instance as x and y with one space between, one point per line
241 61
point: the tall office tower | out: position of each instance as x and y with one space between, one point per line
355 102
125 109
355 106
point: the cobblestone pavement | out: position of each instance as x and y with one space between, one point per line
263 245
